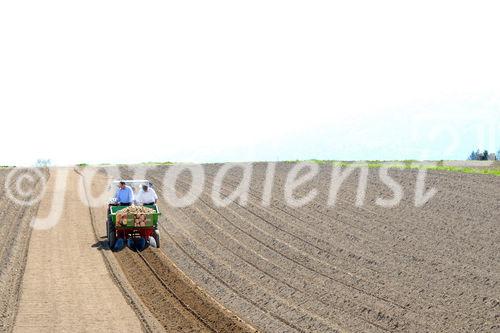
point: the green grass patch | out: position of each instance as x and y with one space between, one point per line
157 163
410 164
82 165
483 171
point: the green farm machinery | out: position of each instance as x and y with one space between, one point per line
134 226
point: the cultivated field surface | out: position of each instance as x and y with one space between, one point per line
258 264
15 235
323 268
66 286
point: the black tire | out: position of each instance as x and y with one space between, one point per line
111 235
156 236
107 227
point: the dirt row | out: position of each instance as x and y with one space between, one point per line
15 234
66 285
345 268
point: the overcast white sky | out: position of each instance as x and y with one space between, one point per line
130 81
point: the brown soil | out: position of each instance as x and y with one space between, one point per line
177 302
346 268
313 269
15 234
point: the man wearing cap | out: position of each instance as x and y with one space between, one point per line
146 196
124 195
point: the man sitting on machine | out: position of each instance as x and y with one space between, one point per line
146 196
124 195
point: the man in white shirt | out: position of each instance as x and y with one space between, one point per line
146 196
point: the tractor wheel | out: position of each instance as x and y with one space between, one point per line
156 236
111 235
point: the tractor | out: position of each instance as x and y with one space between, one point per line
136 230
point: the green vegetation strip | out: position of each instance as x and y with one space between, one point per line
411 164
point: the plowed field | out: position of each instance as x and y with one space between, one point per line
320 268
247 266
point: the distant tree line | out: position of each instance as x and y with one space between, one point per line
484 156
